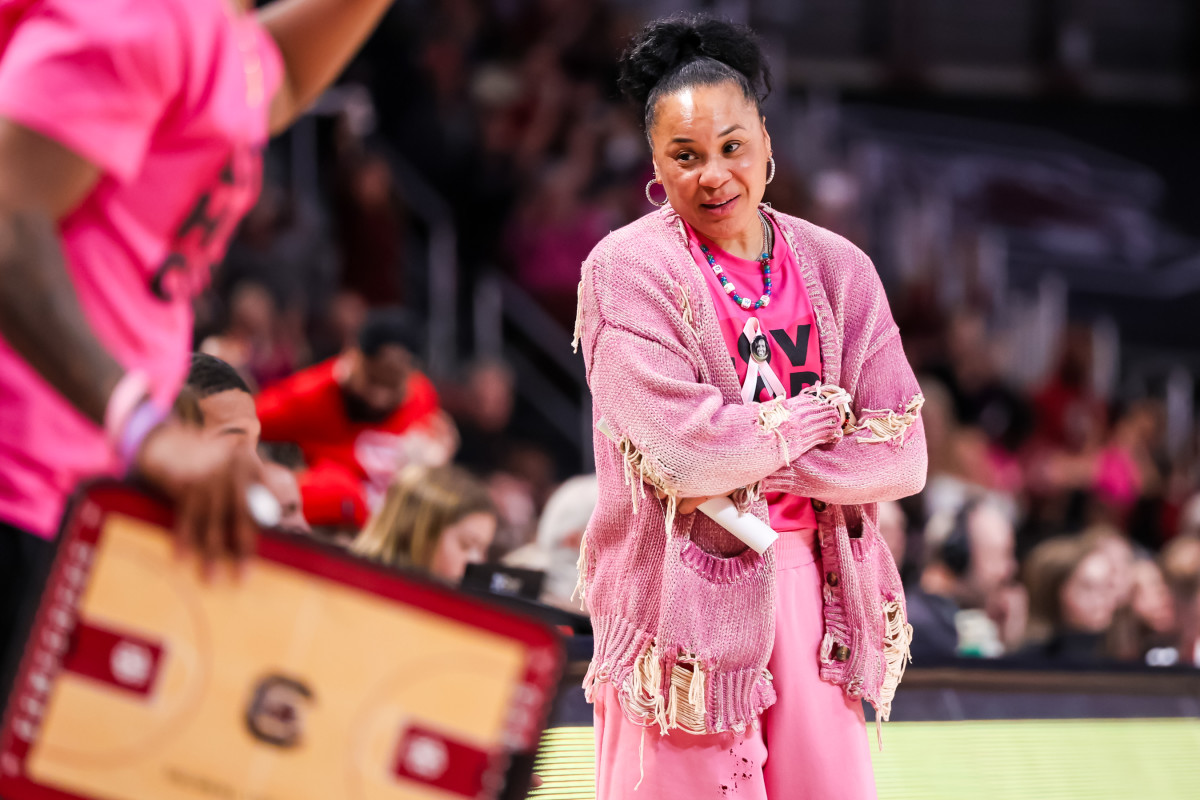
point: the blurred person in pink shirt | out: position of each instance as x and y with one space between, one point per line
130 146
1125 469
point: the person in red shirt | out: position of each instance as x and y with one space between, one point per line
357 418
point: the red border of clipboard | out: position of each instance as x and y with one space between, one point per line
82 529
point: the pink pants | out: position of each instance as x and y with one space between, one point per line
813 742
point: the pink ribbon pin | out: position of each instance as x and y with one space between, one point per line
757 364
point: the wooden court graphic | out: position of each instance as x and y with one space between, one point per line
303 680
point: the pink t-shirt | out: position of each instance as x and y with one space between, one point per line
794 352
170 100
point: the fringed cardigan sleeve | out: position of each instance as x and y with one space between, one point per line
885 458
673 426
863 468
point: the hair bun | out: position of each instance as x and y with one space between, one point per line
667 44
688 45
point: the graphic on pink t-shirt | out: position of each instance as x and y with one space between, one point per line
793 352
170 100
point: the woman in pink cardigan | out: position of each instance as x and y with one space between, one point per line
734 350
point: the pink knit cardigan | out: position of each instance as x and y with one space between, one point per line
683 612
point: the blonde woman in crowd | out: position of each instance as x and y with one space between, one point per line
435 519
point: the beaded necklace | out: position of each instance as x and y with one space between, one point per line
765 260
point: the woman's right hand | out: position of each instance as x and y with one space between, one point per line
687 505
207 479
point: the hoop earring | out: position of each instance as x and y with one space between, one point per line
771 174
651 199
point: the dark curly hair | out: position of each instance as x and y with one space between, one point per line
209 375
388 326
686 50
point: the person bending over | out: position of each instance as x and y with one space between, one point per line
357 418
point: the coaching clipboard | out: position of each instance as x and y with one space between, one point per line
314 676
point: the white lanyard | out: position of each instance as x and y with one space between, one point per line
757 364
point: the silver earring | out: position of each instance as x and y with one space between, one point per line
771 174
651 199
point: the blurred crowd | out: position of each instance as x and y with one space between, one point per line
508 113
1059 522
1055 524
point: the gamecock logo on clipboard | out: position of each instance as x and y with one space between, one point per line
277 710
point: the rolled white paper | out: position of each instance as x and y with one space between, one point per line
752 531
756 534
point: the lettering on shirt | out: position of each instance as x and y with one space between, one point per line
795 349
199 241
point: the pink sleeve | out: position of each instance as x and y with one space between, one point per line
95 77
864 467
857 469
272 60
685 438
